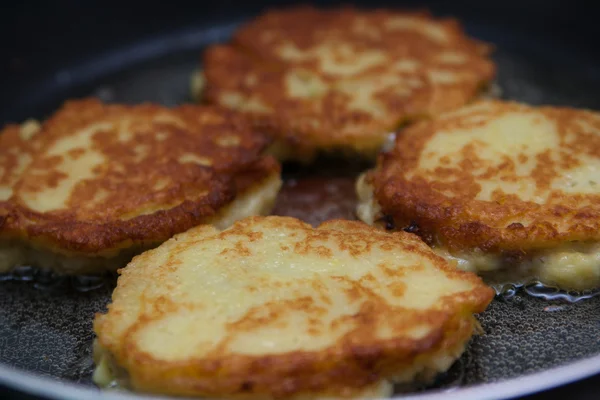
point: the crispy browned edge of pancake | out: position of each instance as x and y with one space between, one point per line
93 238
460 222
89 237
338 368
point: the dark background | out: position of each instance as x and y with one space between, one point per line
41 39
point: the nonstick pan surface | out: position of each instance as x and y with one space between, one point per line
534 338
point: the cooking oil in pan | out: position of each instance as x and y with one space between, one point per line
538 289
48 280
21 273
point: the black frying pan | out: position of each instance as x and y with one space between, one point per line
131 52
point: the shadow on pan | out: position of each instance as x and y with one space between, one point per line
132 52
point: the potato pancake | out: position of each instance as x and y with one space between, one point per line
94 184
343 79
498 186
274 308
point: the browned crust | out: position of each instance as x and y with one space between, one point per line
340 371
191 192
449 214
355 361
13 146
83 237
251 66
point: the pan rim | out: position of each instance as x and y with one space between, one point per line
30 383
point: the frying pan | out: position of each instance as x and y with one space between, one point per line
535 338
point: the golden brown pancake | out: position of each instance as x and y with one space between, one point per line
343 79
498 185
96 183
16 152
274 308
